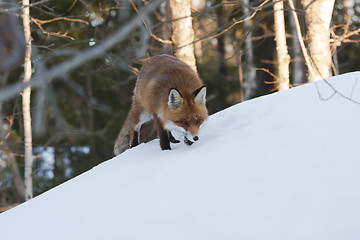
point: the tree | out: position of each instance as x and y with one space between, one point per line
250 74
220 17
283 58
318 16
183 32
26 104
297 62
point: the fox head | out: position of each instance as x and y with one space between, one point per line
186 113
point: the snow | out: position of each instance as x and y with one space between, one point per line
283 166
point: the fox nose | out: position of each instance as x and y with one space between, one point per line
196 138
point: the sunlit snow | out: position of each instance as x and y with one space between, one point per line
280 167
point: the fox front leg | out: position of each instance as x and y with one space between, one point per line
162 134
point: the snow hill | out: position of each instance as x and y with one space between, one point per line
280 167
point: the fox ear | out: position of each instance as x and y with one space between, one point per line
175 99
200 95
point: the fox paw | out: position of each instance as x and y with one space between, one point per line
174 141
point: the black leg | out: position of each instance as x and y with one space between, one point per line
164 140
135 140
162 134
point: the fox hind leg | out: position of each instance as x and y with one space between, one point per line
134 136
141 118
135 139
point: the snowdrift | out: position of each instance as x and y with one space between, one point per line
283 166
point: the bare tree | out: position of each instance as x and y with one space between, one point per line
198 5
26 104
297 64
283 58
250 73
318 16
301 39
166 27
182 31
7 155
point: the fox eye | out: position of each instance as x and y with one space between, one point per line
198 121
185 123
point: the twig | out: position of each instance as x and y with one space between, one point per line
268 71
109 8
39 23
273 75
72 5
61 18
15 9
235 22
145 24
18 154
11 122
337 40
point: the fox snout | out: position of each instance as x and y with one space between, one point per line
189 142
192 137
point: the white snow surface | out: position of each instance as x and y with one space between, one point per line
280 167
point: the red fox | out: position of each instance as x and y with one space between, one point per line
169 93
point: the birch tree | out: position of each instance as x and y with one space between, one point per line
183 32
26 104
283 58
318 16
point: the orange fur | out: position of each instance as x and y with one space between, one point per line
171 94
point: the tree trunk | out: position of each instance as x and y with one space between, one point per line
249 83
297 67
318 16
26 105
12 164
283 58
166 27
240 74
220 17
198 5
59 168
18 181
183 32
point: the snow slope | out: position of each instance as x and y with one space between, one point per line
284 166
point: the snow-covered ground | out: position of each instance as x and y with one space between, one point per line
284 166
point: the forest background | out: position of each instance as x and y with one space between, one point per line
85 56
